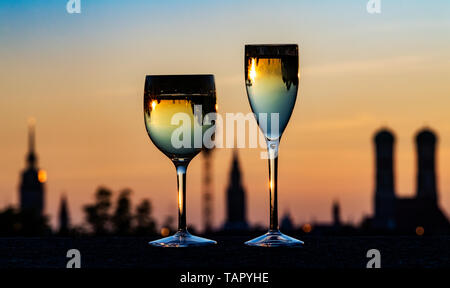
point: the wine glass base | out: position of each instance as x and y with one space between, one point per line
274 238
182 239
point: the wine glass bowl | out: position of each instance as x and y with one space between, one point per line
271 81
175 112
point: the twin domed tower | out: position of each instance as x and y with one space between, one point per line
407 214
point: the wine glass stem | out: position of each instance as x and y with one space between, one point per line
181 185
272 148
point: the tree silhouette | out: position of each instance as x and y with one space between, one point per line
145 225
23 223
97 214
121 220
9 222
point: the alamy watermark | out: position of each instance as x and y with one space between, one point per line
375 258
73 6
373 6
215 131
75 258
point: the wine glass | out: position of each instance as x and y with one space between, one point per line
271 80
176 109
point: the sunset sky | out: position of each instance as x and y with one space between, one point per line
82 77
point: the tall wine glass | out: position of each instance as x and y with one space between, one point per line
271 79
174 107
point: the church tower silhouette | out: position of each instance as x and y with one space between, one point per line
64 218
32 182
408 214
426 165
236 199
384 141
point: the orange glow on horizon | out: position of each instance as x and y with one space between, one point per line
42 176
420 231
307 228
165 231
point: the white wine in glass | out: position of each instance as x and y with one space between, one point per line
271 80
188 98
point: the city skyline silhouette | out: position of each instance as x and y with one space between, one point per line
81 76
391 213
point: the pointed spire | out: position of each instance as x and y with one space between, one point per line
31 159
236 170
31 129
64 219
336 213
236 199
235 158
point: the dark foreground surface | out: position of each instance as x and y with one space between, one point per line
319 252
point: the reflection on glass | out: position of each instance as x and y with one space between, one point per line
271 79
174 106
